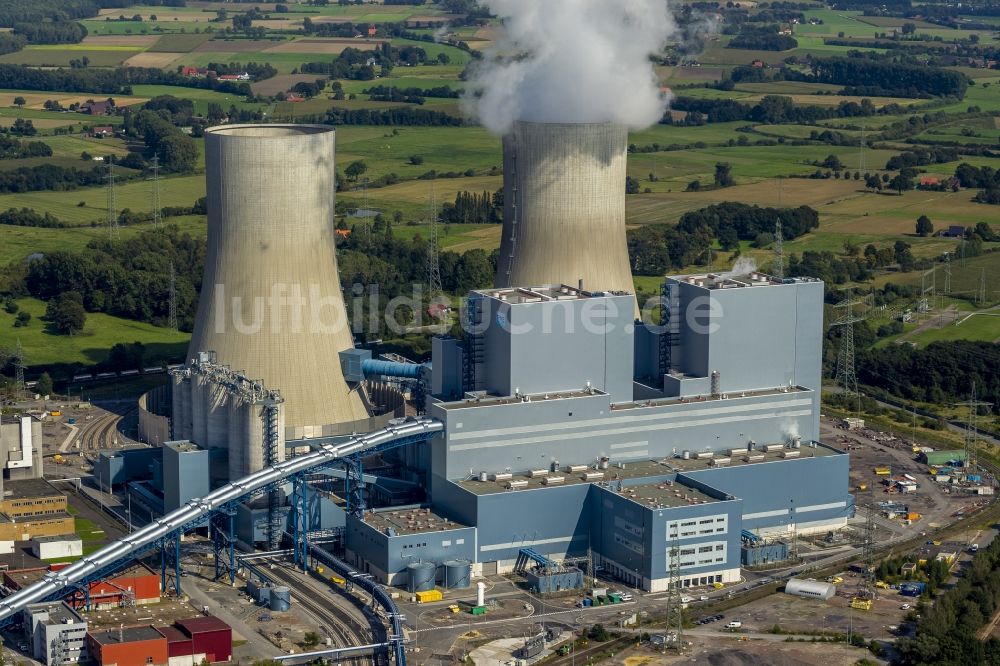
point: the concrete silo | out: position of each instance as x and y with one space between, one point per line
564 206
271 305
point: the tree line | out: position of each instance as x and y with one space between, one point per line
870 74
771 109
16 149
947 630
13 12
116 81
472 208
941 372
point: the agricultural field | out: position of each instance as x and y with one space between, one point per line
468 158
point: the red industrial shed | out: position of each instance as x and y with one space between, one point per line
209 636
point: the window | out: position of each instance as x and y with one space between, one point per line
705 549
706 522
459 542
720 547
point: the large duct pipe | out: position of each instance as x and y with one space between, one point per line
564 206
271 304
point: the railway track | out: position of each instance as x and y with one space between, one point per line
336 621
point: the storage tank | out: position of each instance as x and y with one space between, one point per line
564 206
421 576
281 599
457 574
271 305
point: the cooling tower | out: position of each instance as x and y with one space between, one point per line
564 206
271 305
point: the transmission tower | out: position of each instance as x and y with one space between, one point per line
971 432
112 203
364 208
675 611
981 293
172 305
927 291
866 587
846 375
433 253
19 366
157 212
779 252
947 273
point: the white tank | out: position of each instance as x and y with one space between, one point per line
271 304
564 206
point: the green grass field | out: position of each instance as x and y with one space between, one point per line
136 195
983 327
100 333
200 97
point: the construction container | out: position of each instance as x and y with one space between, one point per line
883 471
615 598
427 596
913 516
478 610
588 602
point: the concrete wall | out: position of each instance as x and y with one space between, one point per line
524 436
154 420
810 494
567 181
271 303
559 345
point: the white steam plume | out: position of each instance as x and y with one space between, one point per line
571 61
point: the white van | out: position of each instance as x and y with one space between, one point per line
734 624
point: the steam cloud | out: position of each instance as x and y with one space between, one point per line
571 61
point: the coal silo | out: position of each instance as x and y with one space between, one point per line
271 305
564 206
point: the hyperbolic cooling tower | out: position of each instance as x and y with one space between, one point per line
564 206
271 304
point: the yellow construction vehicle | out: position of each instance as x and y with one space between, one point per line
861 604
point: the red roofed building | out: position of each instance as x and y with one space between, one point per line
209 636
179 648
188 70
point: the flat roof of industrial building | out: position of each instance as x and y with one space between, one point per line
684 400
59 612
736 281
757 456
492 401
202 624
29 488
415 520
614 472
126 635
545 293
57 538
665 495
25 577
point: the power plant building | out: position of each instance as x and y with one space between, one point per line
606 436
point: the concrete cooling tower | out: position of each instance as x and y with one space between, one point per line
271 305
564 206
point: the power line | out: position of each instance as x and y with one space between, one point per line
172 305
779 252
947 273
433 253
846 375
18 366
675 608
981 293
157 212
112 203
971 432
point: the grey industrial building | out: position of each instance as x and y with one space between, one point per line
615 440
56 633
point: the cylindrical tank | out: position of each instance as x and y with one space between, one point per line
564 206
199 405
239 416
457 574
281 598
271 305
686 455
217 426
421 576
180 417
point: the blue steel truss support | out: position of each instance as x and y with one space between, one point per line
274 526
177 564
223 534
300 521
355 486
197 512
